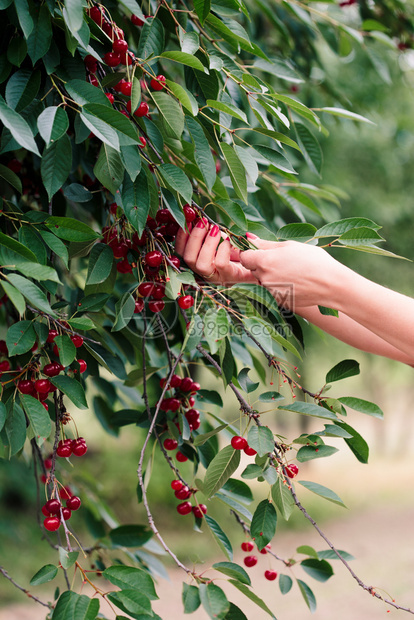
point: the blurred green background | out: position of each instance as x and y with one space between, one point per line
374 165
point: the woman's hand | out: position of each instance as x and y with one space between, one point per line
217 262
297 274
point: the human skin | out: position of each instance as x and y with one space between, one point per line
371 317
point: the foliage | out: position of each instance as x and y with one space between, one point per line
103 159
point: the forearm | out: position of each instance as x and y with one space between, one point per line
349 331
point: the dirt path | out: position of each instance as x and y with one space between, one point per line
383 539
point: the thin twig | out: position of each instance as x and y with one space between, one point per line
6 574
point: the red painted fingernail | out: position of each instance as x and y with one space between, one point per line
251 235
214 231
201 223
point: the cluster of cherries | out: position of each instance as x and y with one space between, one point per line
182 491
120 55
183 398
67 447
130 251
54 511
251 560
240 443
5 363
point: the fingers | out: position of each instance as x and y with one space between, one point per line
195 242
262 244
206 261
252 259
181 239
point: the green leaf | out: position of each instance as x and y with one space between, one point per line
129 577
184 96
299 232
252 596
109 125
22 88
66 349
56 245
220 469
70 229
270 397
329 554
74 14
202 152
233 570
73 606
308 453
124 309
342 370
136 200
346 114
219 536
234 211
263 525
109 168
18 127
364 406
285 583
11 178
130 535
310 148
357 444
238 490
132 161
276 135
15 428
33 293
175 178
93 303
235 613
15 297
277 160
261 439
40 38
17 247
24 15
67 558
132 602
336 229
236 171
360 237
308 595
171 114
227 108
246 383
151 41
38 272
309 409
56 165
200 440
281 68
3 415
328 311
319 489
282 498
320 570
213 600
202 8
100 264
252 471
185 59
190 598
72 389
16 53
44 575
83 92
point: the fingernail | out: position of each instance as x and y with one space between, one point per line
202 222
250 235
214 231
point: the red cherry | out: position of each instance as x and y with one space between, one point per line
156 306
82 366
181 458
126 87
163 216
95 13
195 387
139 241
52 370
183 493
247 546
151 223
175 261
52 335
186 384
158 83
174 404
189 213
142 109
42 385
139 306
15 165
175 381
186 302
191 401
250 560
143 142
110 96
52 506
91 63
51 524
64 448
137 21
25 386
199 511
124 266
46 406
154 258
170 444
159 292
4 366
185 508
66 513
146 288
192 415
292 470
120 46
94 81
112 59
249 451
265 549
270 575
3 348
176 485
48 462
65 493
73 502
238 443
218 166
119 248
77 340
79 447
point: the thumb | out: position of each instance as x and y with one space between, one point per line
251 259
262 244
